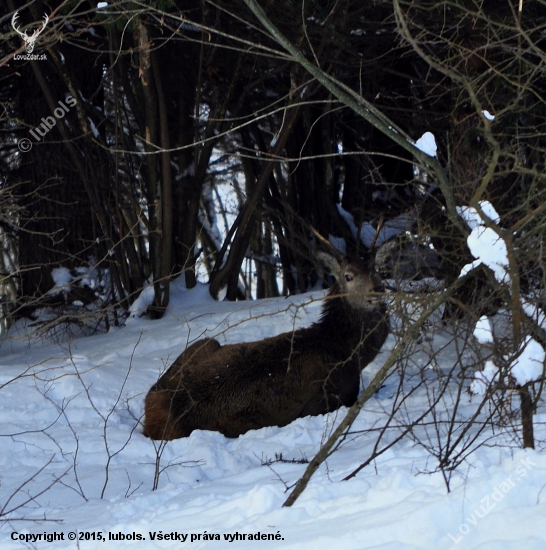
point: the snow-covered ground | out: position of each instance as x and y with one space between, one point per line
74 461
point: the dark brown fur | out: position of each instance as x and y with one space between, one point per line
240 387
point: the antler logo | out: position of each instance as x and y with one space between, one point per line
29 40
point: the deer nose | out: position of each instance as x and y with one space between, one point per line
375 299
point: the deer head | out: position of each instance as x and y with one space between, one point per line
29 40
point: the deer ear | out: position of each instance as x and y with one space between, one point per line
330 263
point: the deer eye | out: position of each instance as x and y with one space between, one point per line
348 278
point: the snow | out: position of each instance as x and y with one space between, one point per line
473 219
533 311
489 248
484 243
485 378
145 299
391 228
338 243
74 461
61 277
488 115
94 129
427 144
483 332
528 366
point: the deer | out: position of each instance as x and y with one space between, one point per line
29 41
315 370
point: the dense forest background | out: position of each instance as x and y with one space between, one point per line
208 138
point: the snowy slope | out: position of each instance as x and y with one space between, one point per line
74 461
